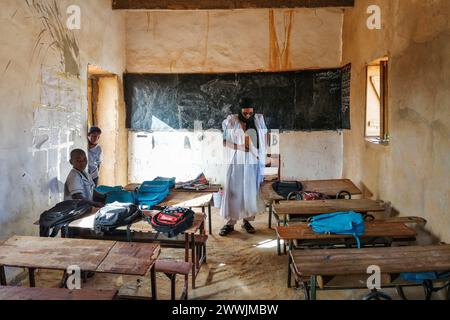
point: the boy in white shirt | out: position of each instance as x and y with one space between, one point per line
79 184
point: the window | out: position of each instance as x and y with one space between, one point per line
376 119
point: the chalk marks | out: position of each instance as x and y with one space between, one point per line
62 39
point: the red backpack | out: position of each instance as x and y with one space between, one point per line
172 220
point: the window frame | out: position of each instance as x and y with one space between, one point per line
383 64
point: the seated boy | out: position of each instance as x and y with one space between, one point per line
79 184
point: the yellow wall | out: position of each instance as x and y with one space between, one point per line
413 171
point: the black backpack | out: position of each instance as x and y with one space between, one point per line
52 220
172 220
116 215
284 188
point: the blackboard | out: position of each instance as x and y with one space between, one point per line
301 100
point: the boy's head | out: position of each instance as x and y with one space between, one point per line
94 135
247 108
78 159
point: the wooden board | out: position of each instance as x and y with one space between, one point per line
302 231
327 206
331 187
267 192
53 253
187 199
355 261
211 188
225 4
130 258
25 293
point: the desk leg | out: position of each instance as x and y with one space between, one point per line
194 261
278 242
153 282
209 218
186 247
31 277
270 215
289 264
2 276
313 283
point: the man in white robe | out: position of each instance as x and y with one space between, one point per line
245 138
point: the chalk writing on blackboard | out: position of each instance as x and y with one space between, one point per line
300 100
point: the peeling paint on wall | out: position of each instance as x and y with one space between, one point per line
279 52
64 40
57 120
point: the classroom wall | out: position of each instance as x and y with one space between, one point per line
43 88
413 170
235 41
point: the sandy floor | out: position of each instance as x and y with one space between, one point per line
239 266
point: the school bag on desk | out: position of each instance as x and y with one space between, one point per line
150 193
121 196
285 188
172 220
350 222
107 189
52 220
171 181
116 215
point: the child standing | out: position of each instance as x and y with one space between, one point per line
95 153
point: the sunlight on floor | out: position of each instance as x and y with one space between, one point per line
268 244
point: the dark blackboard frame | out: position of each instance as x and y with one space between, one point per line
307 100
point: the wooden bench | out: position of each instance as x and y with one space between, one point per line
25 293
134 259
171 269
314 268
284 211
192 240
376 234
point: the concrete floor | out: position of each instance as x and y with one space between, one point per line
240 266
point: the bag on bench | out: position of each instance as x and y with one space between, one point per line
150 193
350 222
284 188
172 220
115 215
107 189
420 277
121 196
52 220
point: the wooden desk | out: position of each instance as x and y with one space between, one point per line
187 198
329 187
22 293
309 264
302 231
376 233
141 231
305 209
90 255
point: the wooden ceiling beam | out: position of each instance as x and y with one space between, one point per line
225 4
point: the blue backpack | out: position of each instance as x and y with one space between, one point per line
151 193
106 189
154 187
120 196
171 181
339 223
420 277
